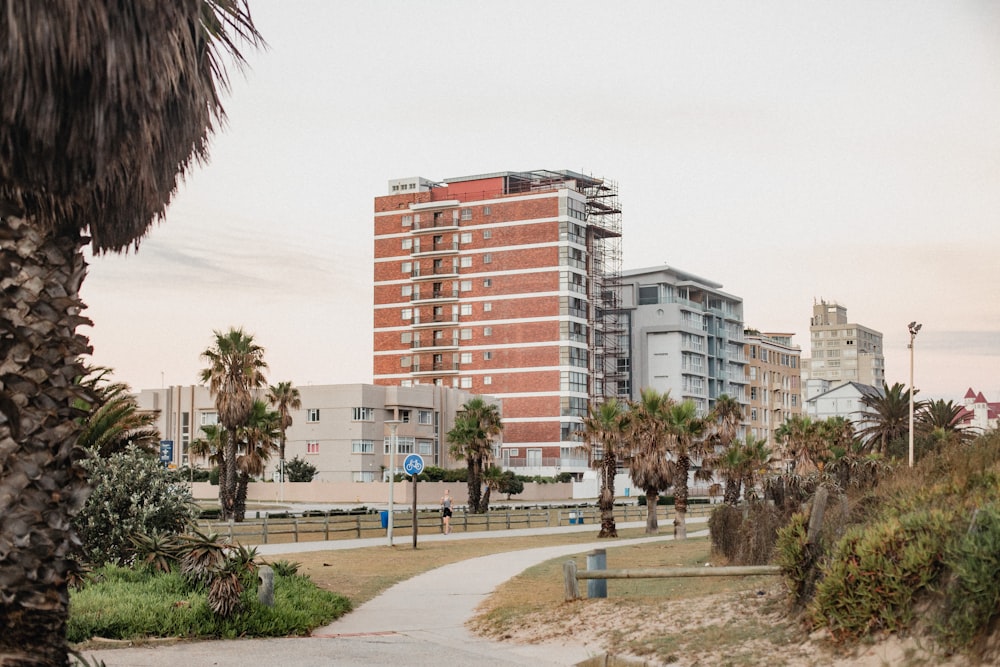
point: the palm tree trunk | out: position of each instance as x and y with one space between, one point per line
240 505
41 487
606 501
731 496
475 484
228 483
652 527
681 496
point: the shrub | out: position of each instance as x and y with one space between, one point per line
133 494
877 570
724 530
973 592
299 470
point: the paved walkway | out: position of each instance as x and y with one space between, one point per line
420 621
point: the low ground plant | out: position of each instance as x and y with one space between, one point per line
121 603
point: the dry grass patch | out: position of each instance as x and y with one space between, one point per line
723 620
361 574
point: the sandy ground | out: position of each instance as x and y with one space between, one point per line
749 628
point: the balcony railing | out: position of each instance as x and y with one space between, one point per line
546 462
419 249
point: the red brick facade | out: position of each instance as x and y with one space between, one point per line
486 290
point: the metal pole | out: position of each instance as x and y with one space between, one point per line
913 328
393 441
414 478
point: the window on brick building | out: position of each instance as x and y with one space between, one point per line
466 237
487 331
487 283
466 214
487 234
465 383
487 258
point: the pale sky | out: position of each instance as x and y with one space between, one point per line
792 151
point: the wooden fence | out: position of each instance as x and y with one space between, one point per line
337 526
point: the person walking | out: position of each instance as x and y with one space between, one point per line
446 511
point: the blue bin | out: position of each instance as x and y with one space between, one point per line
384 514
575 518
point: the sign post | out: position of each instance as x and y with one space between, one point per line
166 452
414 465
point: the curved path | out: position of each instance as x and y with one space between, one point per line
420 621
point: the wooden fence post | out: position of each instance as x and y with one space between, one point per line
571 586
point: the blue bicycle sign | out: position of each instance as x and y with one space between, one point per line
413 465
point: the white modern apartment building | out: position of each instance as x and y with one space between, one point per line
340 429
686 336
842 351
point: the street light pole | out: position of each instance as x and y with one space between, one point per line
393 445
913 328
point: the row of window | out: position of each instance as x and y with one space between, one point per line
462 214
368 414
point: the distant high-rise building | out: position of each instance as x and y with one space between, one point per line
504 284
773 371
842 351
686 336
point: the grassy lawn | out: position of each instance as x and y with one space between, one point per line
361 574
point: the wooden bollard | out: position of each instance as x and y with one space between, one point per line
265 591
572 587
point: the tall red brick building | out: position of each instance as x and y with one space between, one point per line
505 284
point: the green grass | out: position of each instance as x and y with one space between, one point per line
128 604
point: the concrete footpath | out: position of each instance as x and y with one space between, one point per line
420 621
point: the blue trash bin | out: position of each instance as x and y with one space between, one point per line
384 514
573 518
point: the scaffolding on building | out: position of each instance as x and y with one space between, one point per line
610 376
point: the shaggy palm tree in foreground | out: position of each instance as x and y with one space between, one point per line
476 426
235 370
605 426
105 104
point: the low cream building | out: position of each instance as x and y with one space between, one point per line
340 429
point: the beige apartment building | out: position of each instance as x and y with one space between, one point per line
774 377
842 351
340 429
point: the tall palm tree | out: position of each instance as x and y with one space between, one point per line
604 427
886 416
477 424
235 370
256 444
687 439
105 105
285 398
649 467
726 416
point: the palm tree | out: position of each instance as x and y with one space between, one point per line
114 421
726 415
756 460
286 398
604 427
477 424
886 416
208 447
256 441
649 467
236 369
803 443
686 430
939 422
106 104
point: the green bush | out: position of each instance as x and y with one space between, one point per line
127 604
661 500
213 476
877 570
133 494
973 594
299 470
